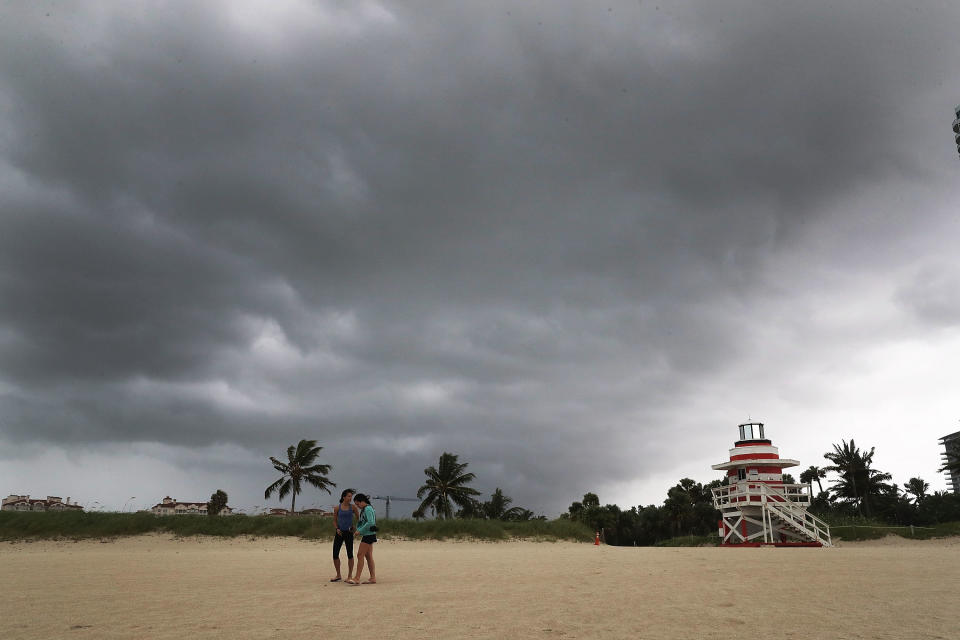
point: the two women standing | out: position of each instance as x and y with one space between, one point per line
343 515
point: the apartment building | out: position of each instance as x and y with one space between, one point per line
948 442
173 507
26 503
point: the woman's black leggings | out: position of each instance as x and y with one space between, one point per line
344 538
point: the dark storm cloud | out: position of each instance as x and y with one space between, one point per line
930 295
510 232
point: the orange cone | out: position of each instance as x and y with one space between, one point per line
596 541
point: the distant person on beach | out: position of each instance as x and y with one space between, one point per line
343 523
367 528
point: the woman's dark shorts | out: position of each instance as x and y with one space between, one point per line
346 538
369 539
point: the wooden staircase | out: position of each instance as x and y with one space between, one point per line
796 518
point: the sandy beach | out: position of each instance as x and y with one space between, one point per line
158 587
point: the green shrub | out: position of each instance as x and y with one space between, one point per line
690 541
485 529
15 525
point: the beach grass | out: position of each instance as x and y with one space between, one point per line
486 529
690 541
872 530
16 525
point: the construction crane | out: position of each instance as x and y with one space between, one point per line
391 498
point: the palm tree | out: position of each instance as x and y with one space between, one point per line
446 484
917 488
498 507
813 473
858 482
678 507
472 510
299 469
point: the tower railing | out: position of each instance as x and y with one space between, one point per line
744 493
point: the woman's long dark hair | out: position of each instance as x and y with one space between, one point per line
362 497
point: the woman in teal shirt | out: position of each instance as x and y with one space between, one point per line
367 527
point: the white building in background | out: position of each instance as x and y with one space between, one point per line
953 479
956 128
26 503
171 507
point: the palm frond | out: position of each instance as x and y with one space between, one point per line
273 487
282 467
284 489
320 482
307 451
462 479
428 502
318 469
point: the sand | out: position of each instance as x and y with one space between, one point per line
158 587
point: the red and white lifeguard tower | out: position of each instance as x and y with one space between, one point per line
757 507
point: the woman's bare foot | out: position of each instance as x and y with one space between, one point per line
370 581
337 579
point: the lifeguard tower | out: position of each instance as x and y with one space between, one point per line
757 507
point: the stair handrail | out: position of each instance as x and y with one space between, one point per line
813 525
809 523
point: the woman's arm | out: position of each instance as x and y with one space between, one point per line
369 519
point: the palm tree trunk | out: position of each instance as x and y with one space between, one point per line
856 494
293 504
820 486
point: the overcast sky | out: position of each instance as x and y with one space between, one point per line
574 243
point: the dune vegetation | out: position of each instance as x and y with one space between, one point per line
15 525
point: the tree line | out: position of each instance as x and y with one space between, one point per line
446 487
858 490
